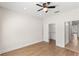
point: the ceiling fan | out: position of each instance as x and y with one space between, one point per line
45 7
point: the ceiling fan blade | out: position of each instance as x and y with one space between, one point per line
40 9
51 6
39 5
48 3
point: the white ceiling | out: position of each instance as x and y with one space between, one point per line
31 8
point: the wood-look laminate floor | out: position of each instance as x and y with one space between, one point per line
73 45
41 49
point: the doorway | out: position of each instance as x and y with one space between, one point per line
72 35
52 33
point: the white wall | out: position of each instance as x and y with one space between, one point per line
59 20
18 30
59 30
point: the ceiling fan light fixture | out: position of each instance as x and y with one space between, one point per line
45 6
45 9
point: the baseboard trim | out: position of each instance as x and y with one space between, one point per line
19 47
